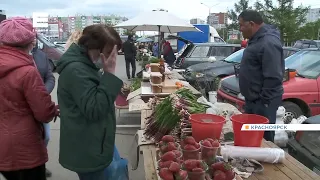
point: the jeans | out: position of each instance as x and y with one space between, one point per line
270 112
98 175
46 127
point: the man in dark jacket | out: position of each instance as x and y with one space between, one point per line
262 68
168 53
130 52
42 62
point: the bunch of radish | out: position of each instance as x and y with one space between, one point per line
222 171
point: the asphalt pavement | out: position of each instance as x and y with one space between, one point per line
124 137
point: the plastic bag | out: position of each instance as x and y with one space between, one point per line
118 169
281 137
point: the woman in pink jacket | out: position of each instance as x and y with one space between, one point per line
24 105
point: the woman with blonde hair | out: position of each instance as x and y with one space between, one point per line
73 38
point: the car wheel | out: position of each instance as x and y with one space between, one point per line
293 111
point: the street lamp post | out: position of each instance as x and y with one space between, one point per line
210 7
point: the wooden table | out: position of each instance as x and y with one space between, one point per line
290 169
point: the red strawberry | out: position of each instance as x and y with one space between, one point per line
206 143
163 149
215 143
177 152
219 175
171 146
197 145
182 175
189 147
189 140
218 166
166 174
210 140
174 167
161 143
197 170
168 156
167 138
165 164
230 174
190 164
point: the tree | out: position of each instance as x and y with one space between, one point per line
223 32
234 13
283 15
127 33
310 30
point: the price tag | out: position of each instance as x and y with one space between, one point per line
138 106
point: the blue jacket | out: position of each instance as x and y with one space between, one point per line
44 68
262 66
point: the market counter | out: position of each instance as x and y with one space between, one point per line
290 169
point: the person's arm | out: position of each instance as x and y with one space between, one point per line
95 100
272 70
134 50
49 80
37 97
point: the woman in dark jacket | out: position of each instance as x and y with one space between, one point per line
25 104
45 71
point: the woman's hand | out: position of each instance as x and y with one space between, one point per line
109 64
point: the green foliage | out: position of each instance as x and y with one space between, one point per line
234 41
282 14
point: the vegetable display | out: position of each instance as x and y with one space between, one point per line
169 112
136 84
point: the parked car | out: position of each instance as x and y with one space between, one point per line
305 146
301 93
54 52
207 76
306 43
205 52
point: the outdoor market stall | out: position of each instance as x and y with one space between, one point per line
289 169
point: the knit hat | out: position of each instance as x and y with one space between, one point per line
17 31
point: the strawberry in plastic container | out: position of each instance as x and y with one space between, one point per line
209 149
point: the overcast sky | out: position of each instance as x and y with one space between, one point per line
185 9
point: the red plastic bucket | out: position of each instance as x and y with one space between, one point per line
206 126
247 138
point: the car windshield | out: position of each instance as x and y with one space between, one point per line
235 57
200 51
221 51
307 63
288 52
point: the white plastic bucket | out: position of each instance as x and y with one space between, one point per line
212 96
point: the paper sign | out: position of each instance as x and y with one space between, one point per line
138 106
134 94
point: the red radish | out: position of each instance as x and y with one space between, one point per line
174 167
171 146
197 170
206 143
182 175
168 156
166 174
165 164
189 147
189 140
167 138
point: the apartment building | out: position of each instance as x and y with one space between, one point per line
218 20
197 21
313 15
